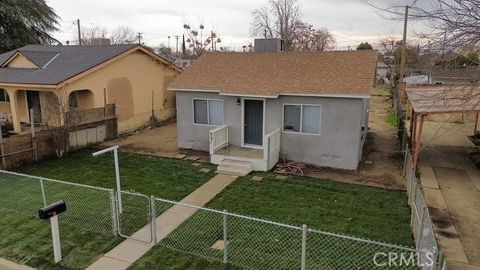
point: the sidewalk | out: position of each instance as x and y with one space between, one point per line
8 265
127 252
451 186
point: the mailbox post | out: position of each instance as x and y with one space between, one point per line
117 172
51 212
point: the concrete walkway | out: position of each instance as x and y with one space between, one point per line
8 265
127 252
451 184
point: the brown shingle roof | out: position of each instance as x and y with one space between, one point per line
271 74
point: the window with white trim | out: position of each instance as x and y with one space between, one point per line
208 112
301 118
4 95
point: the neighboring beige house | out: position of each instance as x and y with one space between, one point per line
84 77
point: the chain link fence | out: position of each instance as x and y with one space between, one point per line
215 235
421 220
253 243
88 208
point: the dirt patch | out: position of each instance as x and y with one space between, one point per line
381 164
161 141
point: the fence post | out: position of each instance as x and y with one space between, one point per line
405 161
114 213
154 221
2 151
225 237
440 259
42 188
304 247
34 140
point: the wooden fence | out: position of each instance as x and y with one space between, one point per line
94 126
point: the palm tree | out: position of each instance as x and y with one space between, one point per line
26 22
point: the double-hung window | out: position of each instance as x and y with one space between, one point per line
208 112
301 118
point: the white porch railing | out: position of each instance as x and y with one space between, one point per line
271 151
218 138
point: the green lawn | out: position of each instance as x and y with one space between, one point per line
26 239
392 119
354 210
166 178
360 211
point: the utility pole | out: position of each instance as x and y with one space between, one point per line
176 50
211 36
403 60
139 36
183 44
169 43
79 33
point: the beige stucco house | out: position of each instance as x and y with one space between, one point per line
85 77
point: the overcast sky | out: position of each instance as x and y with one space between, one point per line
351 21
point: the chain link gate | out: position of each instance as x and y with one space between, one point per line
135 219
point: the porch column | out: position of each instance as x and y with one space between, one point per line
12 93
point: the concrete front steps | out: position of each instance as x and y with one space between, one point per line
234 167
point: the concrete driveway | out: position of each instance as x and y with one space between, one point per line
451 183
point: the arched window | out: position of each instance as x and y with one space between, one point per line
73 100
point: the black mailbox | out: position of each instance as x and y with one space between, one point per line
52 210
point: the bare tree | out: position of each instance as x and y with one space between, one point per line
388 46
123 35
200 40
279 19
119 35
307 38
92 33
55 110
453 24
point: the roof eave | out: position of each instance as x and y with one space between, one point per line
359 96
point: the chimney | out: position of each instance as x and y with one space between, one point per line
100 41
268 45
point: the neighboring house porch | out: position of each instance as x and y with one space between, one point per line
46 105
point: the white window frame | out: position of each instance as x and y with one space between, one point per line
208 112
301 119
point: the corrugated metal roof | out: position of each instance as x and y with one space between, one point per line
444 98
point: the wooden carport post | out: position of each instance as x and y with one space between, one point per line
476 125
418 139
413 125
